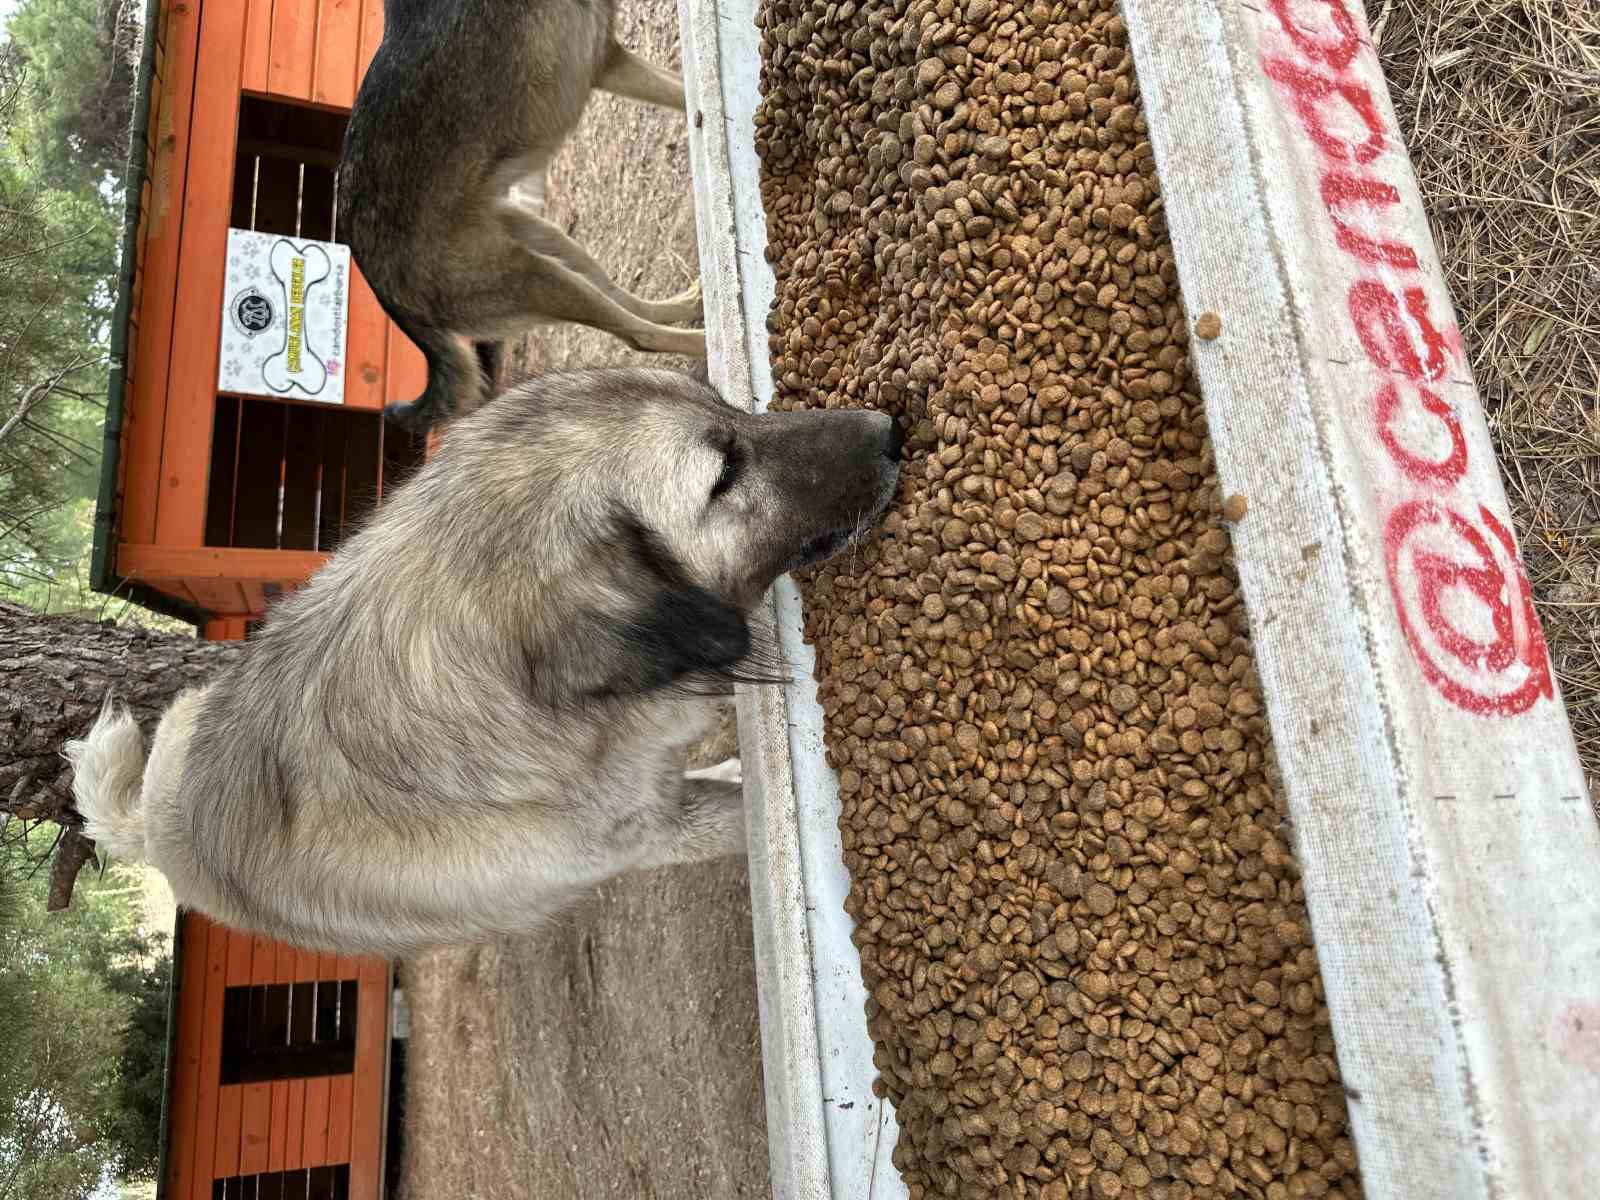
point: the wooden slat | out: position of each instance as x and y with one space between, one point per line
338 49
284 567
283 1090
278 1122
210 1070
230 1097
407 371
340 1092
219 597
366 353
255 1108
255 597
371 35
305 969
224 629
320 1147
191 394
368 1100
186 1061
145 414
294 48
257 44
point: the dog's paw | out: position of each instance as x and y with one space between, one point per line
686 307
727 771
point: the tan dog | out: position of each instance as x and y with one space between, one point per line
481 705
465 100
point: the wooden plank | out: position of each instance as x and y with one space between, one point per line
145 413
294 48
366 352
255 1116
219 597
257 44
283 1090
278 1123
320 1146
371 35
341 1090
230 1097
210 1088
368 1101
255 598
338 49
192 390
224 629
217 562
407 373
186 1060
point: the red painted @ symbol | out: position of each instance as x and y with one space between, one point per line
1463 600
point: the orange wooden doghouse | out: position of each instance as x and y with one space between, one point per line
211 502
214 501
278 1079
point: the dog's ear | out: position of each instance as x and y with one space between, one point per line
668 630
679 632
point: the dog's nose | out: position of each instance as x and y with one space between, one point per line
891 448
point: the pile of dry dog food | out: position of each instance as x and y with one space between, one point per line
1083 936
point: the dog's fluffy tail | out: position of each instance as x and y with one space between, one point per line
455 381
108 773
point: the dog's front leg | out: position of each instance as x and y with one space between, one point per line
704 820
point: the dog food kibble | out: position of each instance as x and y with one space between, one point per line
1084 941
1209 327
1235 507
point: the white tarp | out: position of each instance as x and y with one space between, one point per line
1451 859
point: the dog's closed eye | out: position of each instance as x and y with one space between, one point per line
732 465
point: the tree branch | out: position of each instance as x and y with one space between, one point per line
72 855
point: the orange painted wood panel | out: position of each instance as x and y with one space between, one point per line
255 597
294 48
368 1097
371 34
219 597
224 629
210 1071
366 352
186 1057
318 1150
408 370
341 1089
284 961
216 562
145 409
278 1123
255 1117
338 50
192 384
257 44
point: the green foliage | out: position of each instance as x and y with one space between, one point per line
63 138
82 1046
83 55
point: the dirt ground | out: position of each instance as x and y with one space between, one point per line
616 1053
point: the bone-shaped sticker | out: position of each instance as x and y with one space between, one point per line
297 269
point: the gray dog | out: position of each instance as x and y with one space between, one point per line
464 100
482 704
